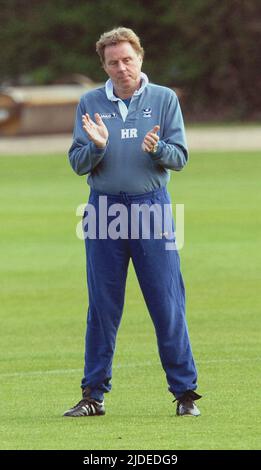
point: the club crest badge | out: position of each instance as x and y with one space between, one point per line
147 112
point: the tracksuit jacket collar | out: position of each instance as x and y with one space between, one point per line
109 88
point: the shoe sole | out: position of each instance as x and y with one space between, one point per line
83 416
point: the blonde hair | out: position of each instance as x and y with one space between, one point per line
115 36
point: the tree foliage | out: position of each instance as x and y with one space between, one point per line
207 48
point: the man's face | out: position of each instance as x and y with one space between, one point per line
123 65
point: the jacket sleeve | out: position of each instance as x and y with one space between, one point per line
84 155
172 152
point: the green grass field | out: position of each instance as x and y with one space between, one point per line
44 300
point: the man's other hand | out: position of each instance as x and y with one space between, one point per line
97 131
151 139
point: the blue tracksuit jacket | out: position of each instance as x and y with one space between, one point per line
123 165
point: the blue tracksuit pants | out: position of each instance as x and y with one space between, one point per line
159 276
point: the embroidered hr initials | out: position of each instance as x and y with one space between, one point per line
129 133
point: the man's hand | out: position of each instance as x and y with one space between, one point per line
97 132
151 140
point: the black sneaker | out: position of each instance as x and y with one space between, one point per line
186 405
86 407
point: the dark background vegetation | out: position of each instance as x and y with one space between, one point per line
209 50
